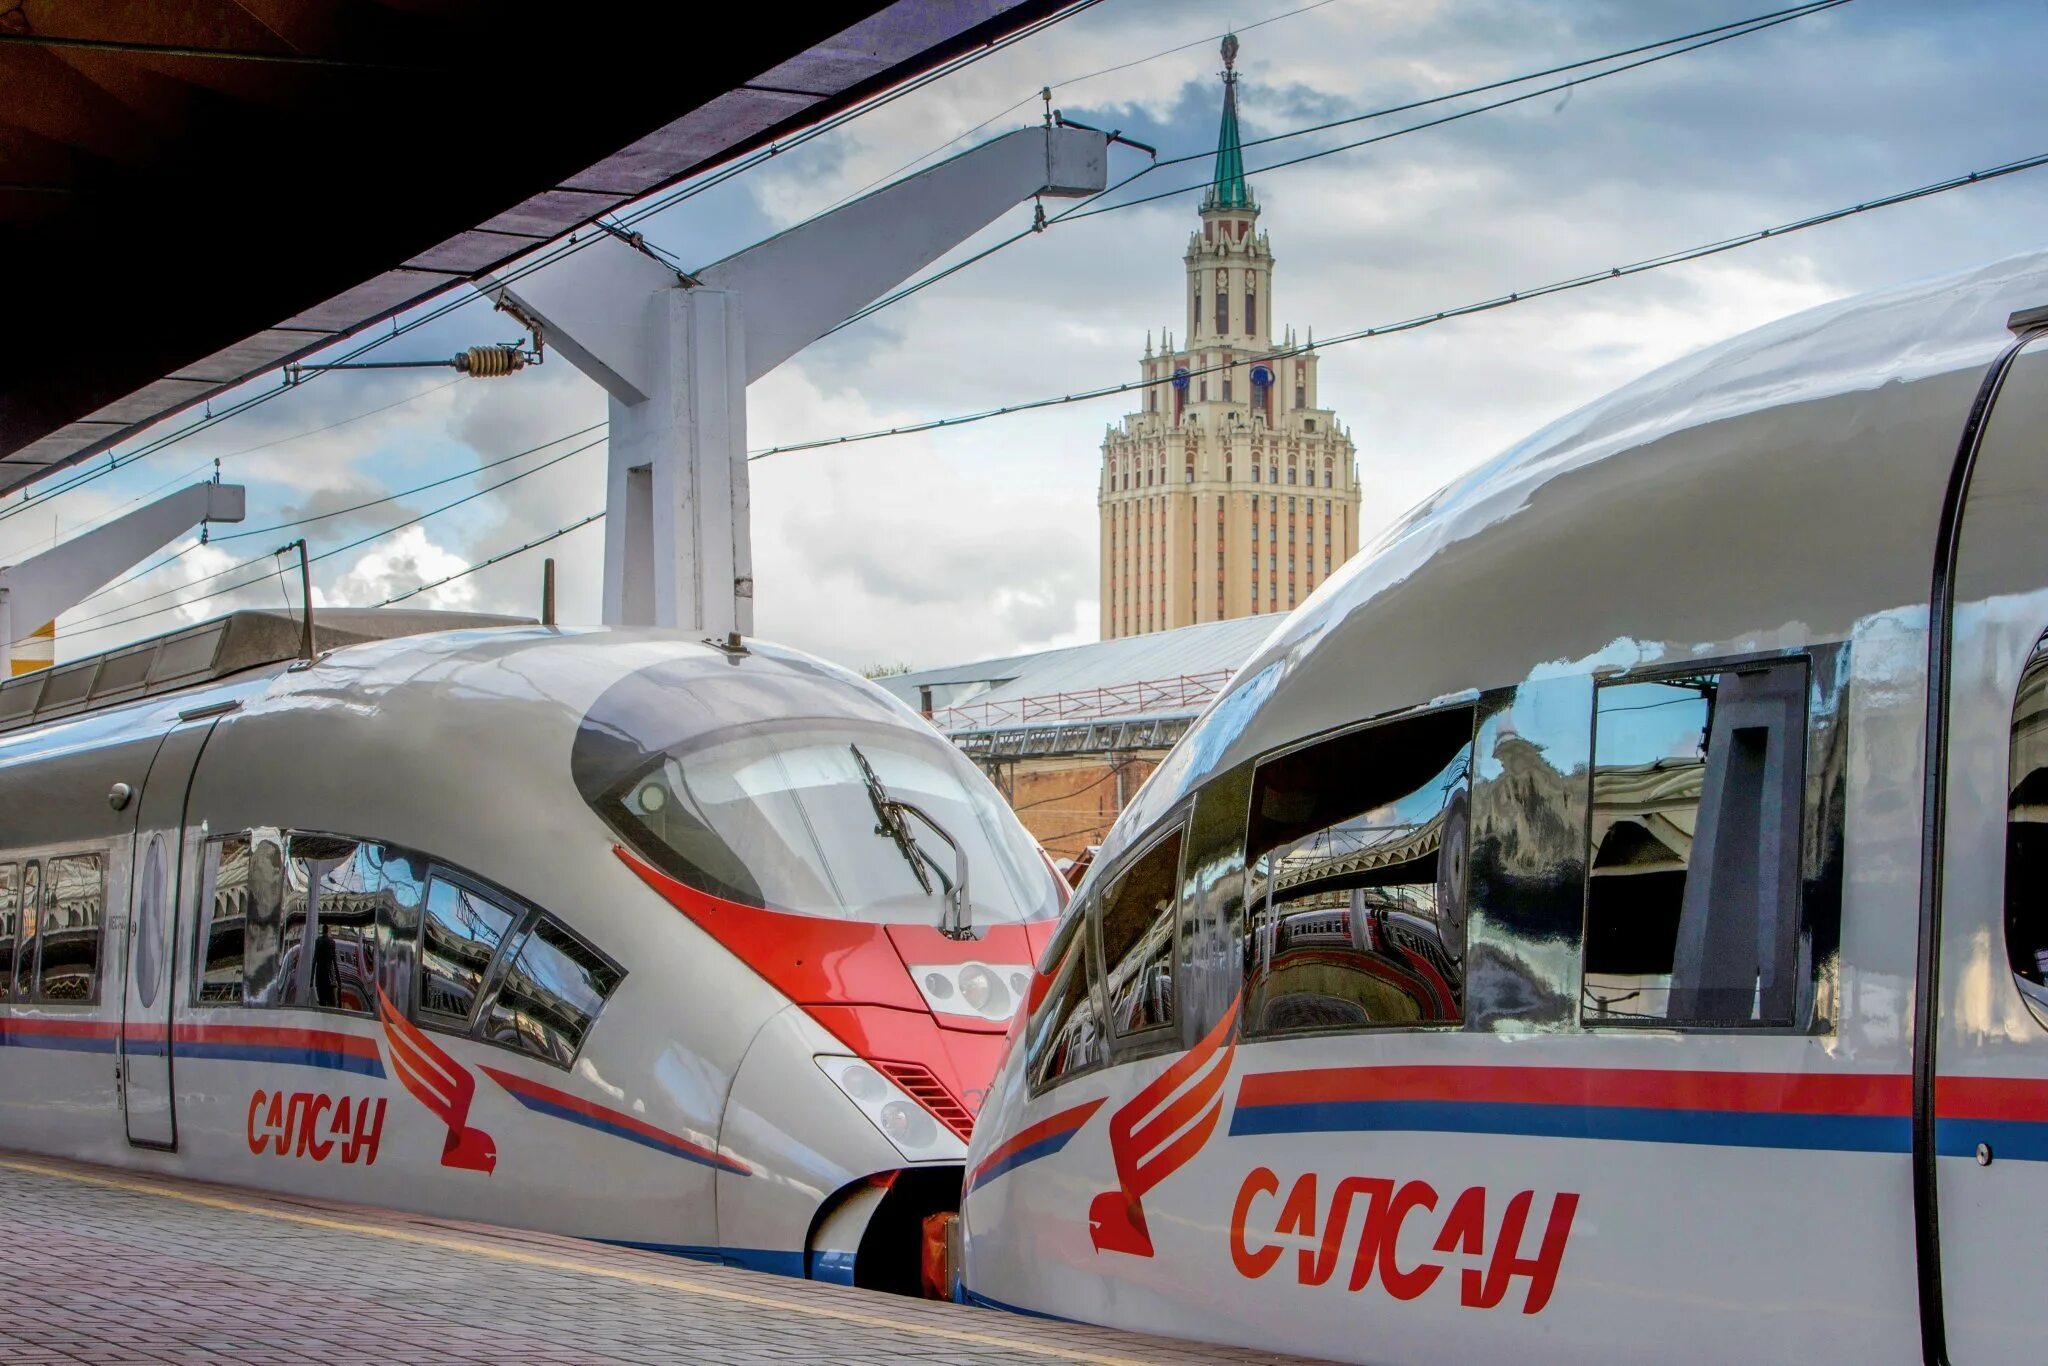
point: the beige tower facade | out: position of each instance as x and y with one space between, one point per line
1233 491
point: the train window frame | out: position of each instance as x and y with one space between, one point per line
2020 860
1076 929
1797 922
210 845
487 984
31 899
1469 707
10 922
102 857
291 835
1163 1037
500 969
35 892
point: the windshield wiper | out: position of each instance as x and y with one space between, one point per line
889 823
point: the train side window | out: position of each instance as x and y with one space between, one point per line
331 922
1693 877
401 891
23 964
223 908
74 905
267 978
460 935
1063 1038
549 994
1355 879
10 923
2026 839
1139 916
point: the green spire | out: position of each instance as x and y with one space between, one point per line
1228 190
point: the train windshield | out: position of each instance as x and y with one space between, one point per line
775 809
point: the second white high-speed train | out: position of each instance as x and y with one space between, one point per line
610 933
1609 920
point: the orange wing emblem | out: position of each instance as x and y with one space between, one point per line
1157 1132
441 1084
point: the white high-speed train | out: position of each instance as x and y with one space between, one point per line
609 933
1609 920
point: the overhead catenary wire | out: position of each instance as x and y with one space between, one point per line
1454 117
1091 206
391 497
1672 258
1061 85
658 203
499 558
87 626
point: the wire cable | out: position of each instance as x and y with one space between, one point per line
1061 85
499 558
1091 206
84 627
1080 212
276 527
1464 310
393 497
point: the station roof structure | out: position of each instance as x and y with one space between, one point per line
192 194
1135 692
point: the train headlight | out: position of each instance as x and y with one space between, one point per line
864 1084
908 1126
981 990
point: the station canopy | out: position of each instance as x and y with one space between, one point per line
194 193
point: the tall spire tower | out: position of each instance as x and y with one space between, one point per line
1231 492
1228 190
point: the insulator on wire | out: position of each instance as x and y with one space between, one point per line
490 362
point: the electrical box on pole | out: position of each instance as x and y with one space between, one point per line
676 352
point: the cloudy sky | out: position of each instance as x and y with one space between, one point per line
980 540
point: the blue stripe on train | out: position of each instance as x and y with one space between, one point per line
1721 1128
1045 1147
70 1043
286 1054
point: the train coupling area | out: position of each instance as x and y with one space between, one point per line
138 1267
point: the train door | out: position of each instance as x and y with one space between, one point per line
1989 902
159 884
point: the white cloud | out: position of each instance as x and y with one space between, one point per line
403 562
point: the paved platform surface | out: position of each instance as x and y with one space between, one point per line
106 1266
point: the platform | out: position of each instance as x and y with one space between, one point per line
109 1266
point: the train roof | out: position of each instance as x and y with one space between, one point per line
1775 490
208 652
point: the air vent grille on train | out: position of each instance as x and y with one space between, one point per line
927 1090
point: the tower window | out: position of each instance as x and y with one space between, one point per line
1198 305
1226 391
1301 398
1308 424
1251 307
1222 306
1326 478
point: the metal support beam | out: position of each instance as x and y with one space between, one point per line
675 354
35 591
